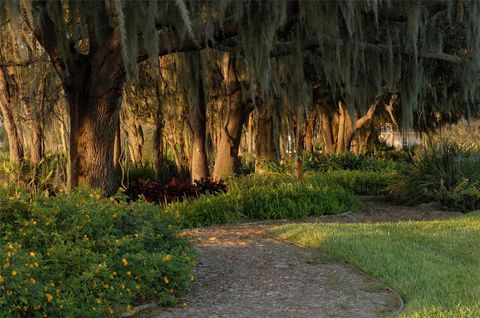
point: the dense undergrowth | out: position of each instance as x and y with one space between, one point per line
271 196
79 255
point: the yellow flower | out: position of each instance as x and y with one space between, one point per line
129 273
124 261
166 280
137 286
167 258
14 273
49 297
32 254
110 310
1 279
32 281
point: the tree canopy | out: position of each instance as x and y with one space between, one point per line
416 58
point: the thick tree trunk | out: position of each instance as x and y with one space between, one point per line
326 129
14 141
234 116
92 140
266 139
94 104
198 122
93 86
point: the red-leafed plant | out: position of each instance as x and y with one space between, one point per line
174 189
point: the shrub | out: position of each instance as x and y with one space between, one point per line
265 196
146 171
362 182
445 172
173 190
464 197
79 255
347 161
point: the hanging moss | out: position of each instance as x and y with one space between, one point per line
364 49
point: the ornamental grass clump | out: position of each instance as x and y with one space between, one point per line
446 172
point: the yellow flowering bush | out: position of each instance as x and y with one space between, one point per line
79 255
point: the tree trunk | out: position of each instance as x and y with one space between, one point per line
234 116
92 141
117 152
93 86
250 133
310 130
326 125
14 142
94 105
36 148
134 132
341 129
158 146
37 138
198 121
267 139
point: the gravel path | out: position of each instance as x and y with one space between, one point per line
243 272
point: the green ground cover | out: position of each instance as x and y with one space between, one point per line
434 265
263 197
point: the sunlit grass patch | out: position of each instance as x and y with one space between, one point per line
434 265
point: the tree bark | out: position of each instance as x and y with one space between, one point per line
310 130
198 121
135 138
342 126
235 113
326 126
250 134
94 103
158 145
37 137
16 154
267 139
117 152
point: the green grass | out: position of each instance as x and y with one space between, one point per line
360 182
434 265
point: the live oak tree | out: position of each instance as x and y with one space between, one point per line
426 52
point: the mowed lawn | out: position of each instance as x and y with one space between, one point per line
434 265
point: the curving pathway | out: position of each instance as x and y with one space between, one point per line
243 272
